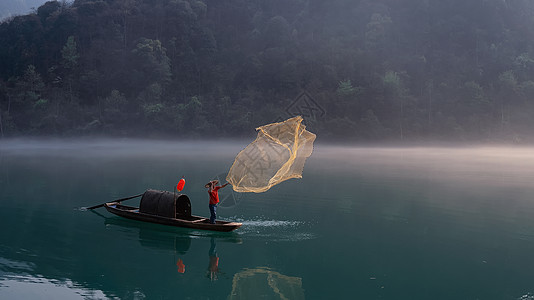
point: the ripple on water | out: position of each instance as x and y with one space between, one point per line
32 287
275 230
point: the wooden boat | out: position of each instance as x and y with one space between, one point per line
166 208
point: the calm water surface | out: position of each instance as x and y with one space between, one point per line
363 223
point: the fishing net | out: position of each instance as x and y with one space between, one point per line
249 283
278 153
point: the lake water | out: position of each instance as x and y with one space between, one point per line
362 223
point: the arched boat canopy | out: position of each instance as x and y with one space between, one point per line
165 204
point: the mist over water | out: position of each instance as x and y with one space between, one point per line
497 165
463 159
116 148
448 222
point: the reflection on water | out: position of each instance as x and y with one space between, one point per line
362 223
28 287
178 240
250 283
213 267
181 266
8 265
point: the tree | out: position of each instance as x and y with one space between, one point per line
70 57
114 109
508 88
395 92
150 63
345 88
27 104
377 32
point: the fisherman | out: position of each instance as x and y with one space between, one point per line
214 197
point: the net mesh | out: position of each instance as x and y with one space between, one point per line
250 283
278 154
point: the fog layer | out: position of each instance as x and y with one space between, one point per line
475 164
496 165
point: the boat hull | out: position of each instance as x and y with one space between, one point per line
194 222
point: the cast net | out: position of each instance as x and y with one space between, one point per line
278 153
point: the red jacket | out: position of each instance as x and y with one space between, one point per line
214 195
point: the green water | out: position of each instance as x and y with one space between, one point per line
363 223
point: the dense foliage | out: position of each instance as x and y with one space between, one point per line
364 69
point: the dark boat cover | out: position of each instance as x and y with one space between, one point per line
165 204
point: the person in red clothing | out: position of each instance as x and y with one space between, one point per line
213 267
213 191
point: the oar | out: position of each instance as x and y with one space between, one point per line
118 200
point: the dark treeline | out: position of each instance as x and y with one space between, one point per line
370 70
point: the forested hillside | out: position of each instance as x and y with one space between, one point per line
358 70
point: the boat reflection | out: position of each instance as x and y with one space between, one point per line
161 240
176 240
